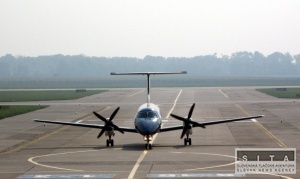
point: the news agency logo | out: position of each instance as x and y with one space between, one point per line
265 160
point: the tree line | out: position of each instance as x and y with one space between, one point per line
241 64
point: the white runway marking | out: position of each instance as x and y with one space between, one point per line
31 160
224 94
175 102
69 176
136 93
195 175
212 154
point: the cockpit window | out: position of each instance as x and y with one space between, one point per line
147 114
142 115
152 115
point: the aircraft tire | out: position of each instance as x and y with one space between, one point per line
148 146
190 141
112 143
107 143
185 141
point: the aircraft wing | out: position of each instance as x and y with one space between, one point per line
229 120
171 128
96 126
204 124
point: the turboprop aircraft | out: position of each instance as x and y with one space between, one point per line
148 120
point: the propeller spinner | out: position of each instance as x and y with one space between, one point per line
109 125
188 123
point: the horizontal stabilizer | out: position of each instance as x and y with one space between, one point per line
148 73
148 78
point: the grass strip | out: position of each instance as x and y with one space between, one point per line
9 111
281 92
21 96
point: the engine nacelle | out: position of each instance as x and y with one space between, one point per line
110 133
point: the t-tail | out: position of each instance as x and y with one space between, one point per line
148 78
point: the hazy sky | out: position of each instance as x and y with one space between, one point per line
136 28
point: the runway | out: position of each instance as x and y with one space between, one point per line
32 150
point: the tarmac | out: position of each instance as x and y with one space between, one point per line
33 150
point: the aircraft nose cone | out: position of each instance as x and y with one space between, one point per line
147 127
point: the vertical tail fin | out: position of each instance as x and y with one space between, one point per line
148 78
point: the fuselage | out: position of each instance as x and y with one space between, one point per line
148 120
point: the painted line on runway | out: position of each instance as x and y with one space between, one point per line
279 142
195 175
28 143
224 94
91 114
69 176
135 93
34 141
217 166
175 102
137 164
31 160
211 154
142 156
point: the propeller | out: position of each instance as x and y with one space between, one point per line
188 123
109 125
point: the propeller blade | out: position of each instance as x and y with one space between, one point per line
100 117
191 111
178 117
188 123
183 132
112 116
102 131
117 128
109 125
197 124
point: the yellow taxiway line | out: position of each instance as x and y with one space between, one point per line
279 142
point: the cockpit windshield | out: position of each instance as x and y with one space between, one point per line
147 114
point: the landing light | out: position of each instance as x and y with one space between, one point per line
148 137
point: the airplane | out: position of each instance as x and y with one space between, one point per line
148 119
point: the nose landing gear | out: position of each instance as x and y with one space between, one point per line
148 146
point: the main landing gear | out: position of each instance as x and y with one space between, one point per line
187 140
109 142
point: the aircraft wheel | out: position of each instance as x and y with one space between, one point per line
190 141
148 146
112 143
185 141
107 143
